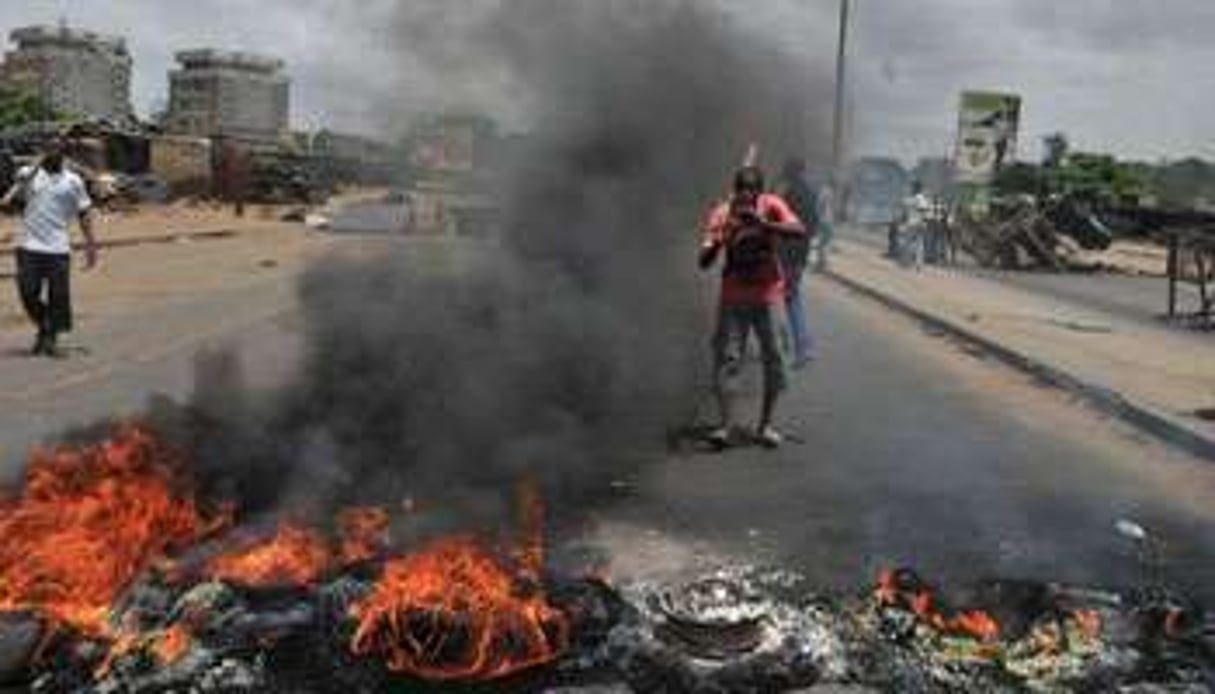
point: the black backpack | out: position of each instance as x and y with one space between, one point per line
748 252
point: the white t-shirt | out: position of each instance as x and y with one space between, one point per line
917 209
52 202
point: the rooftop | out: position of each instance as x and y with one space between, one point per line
63 35
211 58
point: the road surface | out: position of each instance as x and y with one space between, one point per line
919 453
915 452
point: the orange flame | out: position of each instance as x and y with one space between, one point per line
454 612
295 556
364 533
173 644
87 523
976 624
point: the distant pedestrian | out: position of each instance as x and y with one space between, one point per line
795 254
748 227
917 209
824 228
53 196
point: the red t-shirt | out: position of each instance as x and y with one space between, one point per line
752 273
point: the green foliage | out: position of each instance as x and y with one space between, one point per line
1019 179
1103 179
20 107
1096 177
1099 178
1055 147
1184 182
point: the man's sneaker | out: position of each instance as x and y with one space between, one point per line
769 437
719 438
40 344
51 348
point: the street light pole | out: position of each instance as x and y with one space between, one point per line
841 75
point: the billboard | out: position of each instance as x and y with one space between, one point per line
987 135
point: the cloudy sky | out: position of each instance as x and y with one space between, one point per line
1136 77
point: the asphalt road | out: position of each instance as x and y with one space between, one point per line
913 452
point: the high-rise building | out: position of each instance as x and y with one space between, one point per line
223 93
75 72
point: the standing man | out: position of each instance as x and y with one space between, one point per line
748 227
824 228
917 208
795 254
53 197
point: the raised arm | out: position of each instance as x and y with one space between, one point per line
9 201
712 235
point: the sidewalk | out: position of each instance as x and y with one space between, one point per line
1151 376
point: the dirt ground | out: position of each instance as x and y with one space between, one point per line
1130 257
213 249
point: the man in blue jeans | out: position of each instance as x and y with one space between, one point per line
794 254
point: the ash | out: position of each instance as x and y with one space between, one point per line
736 629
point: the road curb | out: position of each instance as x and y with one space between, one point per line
1144 418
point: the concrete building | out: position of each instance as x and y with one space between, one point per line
76 72
231 94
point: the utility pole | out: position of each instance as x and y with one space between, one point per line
841 75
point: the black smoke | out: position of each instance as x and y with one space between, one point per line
561 352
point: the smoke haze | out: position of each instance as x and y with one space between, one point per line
561 353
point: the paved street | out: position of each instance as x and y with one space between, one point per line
918 453
911 451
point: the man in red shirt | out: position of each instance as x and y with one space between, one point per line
747 227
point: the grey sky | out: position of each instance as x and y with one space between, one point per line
1136 77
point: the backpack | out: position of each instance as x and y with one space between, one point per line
748 254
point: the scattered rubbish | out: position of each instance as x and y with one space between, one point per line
316 221
1079 327
295 214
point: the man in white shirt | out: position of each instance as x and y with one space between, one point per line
53 196
916 212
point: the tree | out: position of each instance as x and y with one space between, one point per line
1099 178
20 107
1055 147
1019 178
1184 182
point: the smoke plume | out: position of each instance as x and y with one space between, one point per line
561 352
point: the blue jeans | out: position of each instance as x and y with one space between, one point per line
911 245
795 310
826 233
